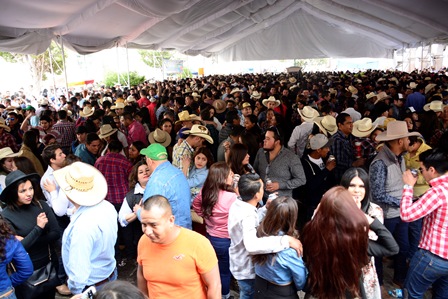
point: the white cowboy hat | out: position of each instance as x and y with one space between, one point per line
292 80
160 137
7 152
436 106
103 99
255 95
352 89
327 124
236 90
118 105
429 87
130 99
412 85
271 99
308 113
396 130
82 183
363 127
106 131
201 131
4 125
370 95
86 111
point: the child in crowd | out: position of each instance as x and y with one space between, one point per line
203 159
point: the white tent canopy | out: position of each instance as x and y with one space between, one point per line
231 30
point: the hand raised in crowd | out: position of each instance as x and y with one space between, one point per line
330 165
409 178
42 220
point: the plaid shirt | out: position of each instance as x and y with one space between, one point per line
344 153
181 150
7 140
368 147
67 130
115 168
433 206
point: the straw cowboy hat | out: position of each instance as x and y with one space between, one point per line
396 130
13 177
236 90
255 95
7 152
103 99
82 183
195 95
308 113
292 80
370 95
4 125
429 87
352 89
436 106
106 131
327 124
381 97
118 105
130 99
69 112
363 127
219 105
160 137
43 102
271 99
245 105
183 116
201 131
87 111
412 85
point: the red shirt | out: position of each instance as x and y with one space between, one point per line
152 113
115 168
433 206
143 102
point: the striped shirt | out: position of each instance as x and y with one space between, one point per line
433 205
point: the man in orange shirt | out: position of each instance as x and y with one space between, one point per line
174 262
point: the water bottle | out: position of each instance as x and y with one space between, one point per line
397 293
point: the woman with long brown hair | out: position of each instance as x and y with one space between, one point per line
213 204
335 246
239 159
282 274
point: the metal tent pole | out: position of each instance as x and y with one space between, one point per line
127 60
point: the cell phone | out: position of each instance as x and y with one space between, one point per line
89 293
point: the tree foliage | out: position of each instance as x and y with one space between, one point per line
111 79
186 73
39 65
154 58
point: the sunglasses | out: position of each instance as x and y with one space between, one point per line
10 118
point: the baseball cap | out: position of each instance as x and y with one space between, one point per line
319 141
29 107
155 151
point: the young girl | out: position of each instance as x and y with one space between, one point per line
203 159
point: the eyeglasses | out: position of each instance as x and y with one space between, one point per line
10 118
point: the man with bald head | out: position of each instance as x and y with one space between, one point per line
174 262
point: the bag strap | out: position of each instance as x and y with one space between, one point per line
49 251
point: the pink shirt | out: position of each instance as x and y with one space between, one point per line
216 225
136 132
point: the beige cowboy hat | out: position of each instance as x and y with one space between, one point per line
201 131
327 124
271 99
219 105
43 102
292 80
308 113
183 116
255 95
130 99
395 130
195 95
436 106
245 105
4 125
236 90
82 183
106 131
412 85
429 87
370 95
7 152
104 99
363 127
87 111
118 105
69 112
352 89
160 137
381 97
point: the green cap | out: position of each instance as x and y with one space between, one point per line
29 107
155 151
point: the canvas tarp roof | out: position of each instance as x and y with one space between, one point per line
232 30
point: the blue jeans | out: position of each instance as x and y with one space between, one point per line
425 269
10 296
415 231
221 246
400 230
247 288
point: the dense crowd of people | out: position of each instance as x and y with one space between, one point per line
285 182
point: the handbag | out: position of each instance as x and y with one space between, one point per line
41 281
